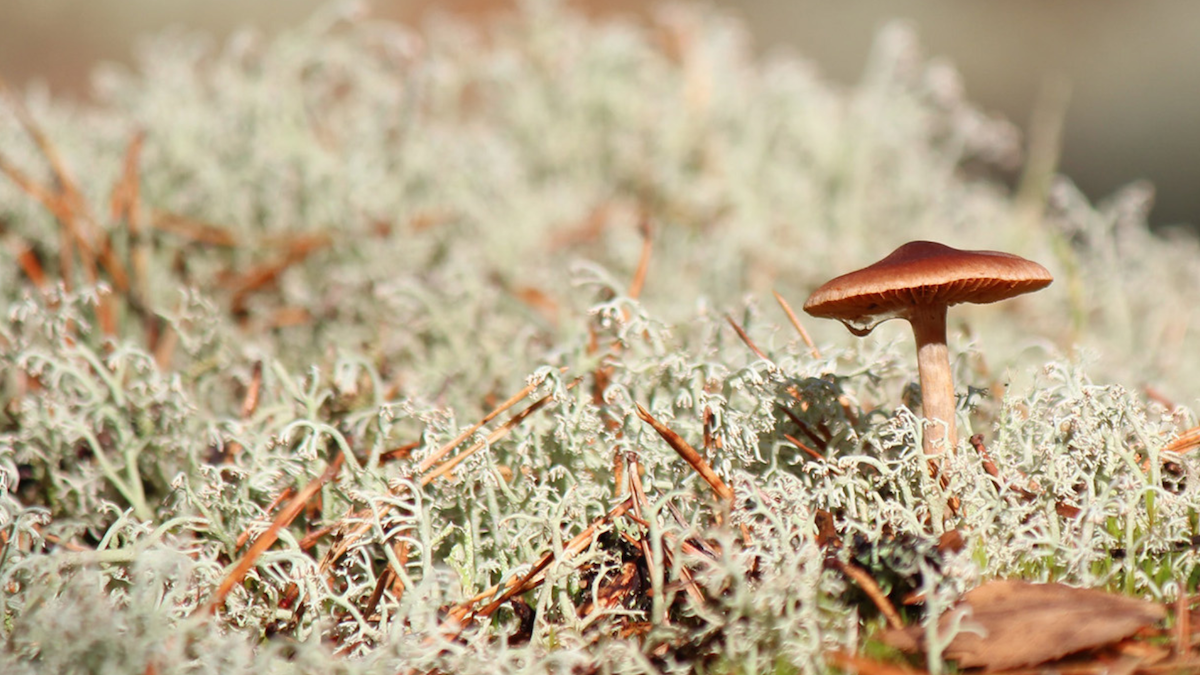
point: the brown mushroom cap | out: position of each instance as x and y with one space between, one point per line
921 274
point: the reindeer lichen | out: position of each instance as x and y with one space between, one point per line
352 242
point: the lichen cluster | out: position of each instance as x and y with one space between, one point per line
455 214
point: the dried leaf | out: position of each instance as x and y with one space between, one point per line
1007 624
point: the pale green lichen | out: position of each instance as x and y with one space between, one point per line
483 198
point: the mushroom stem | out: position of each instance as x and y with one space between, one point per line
937 387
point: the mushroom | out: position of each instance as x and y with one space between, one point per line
917 282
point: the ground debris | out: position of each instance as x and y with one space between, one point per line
1009 624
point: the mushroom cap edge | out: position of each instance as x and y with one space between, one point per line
922 274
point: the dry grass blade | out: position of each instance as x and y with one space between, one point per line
289 512
250 402
689 455
787 309
308 541
60 210
873 591
1173 667
441 452
639 276
249 405
603 372
124 200
192 229
694 546
1160 398
286 494
807 431
125 206
640 501
496 435
262 276
68 205
29 262
613 590
989 466
64 177
164 346
1187 441
32 188
112 264
398 453
388 576
746 339
53 539
349 539
455 618
807 450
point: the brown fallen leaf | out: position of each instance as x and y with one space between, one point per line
854 663
1009 623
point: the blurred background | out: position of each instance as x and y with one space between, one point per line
1126 72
